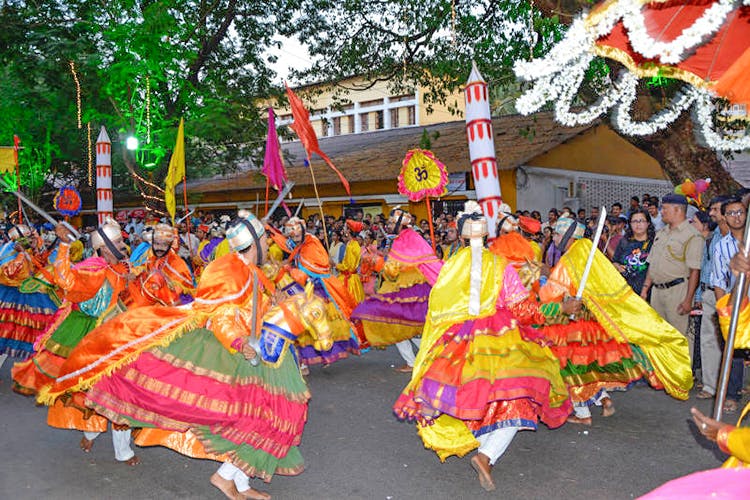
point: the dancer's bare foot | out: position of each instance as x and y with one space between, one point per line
481 464
86 444
608 407
252 494
404 369
579 420
226 486
133 461
304 370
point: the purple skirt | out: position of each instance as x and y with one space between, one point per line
389 318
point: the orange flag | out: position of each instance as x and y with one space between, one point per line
304 130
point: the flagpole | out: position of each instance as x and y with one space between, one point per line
16 141
268 185
320 205
739 292
429 219
187 224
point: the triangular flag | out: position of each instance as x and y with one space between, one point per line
304 130
176 172
273 166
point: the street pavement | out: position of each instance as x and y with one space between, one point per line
355 448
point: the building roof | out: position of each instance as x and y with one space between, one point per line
377 155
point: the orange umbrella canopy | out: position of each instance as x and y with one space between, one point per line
717 62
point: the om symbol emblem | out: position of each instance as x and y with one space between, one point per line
421 175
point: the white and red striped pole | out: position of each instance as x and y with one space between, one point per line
103 176
482 148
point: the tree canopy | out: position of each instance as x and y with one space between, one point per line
136 67
433 42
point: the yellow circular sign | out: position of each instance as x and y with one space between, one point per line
422 175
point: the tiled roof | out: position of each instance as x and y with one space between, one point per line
377 155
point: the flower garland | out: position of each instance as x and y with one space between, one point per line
557 77
702 115
622 120
691 37
625 83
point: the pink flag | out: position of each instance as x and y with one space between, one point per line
273 166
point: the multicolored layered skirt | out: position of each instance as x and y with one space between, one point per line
23 318
486 374
66 330
389 318
209 403
591 360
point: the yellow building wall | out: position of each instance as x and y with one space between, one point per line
600 151
320 97
508 187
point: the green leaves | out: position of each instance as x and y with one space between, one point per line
141 67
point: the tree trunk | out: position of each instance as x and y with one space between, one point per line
681 157
676 148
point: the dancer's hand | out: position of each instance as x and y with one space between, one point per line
740 263
707 425
63 233
571 305
248 351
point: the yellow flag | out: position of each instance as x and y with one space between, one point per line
176 173
7 160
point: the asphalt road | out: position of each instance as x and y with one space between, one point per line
355 448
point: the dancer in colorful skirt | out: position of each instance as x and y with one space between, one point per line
163 276
93 290
349 264
477 380
26 309
160 277
396 314
615 338
309 261
189 375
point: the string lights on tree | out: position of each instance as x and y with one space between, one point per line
78 92
89 153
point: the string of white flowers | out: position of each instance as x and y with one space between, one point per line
558 76
621 114
691 37
555 86
702 115
577 41
564 115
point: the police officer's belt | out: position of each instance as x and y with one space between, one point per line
669 284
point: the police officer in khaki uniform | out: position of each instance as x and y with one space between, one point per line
674 266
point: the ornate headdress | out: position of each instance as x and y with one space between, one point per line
507 222
163 233
217 231
294 226
19 231
244 231
399 217
109 235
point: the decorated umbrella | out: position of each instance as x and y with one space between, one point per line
693 41
703 43
422 175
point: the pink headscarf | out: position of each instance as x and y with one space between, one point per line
411 249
